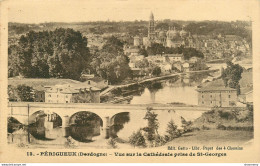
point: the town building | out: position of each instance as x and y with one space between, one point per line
216 94
246 95
92 80
169 38
174 57
72 93
246 87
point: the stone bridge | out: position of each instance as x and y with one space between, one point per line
23 110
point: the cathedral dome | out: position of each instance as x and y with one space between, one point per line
172 33
183 33
162 34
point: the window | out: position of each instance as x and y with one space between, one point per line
211 102
49 95
67 101
229 96
202 96
66 96
89 82
41 95
202 102
211 96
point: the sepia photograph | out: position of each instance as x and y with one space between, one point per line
130 75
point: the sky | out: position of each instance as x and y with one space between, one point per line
39 11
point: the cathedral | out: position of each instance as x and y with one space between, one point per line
170 38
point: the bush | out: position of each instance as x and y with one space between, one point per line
221 127
172 131
112 142
205 128
153 124
137 139
159 140
226 115
69 143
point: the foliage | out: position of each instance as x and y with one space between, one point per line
119 121
112 142
155 49
172 130
186 125
225 28
20 93
137 139
85 118
142 64
159 140
198 66
156 71
153 124
58 53
231 75
83 127
69 143
187 52
83 97
110 63
13 124
142 51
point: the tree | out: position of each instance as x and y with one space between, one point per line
58 53
110 62
155 48
156 71
172 130
142 51
153 124
25 93
142 64
231 75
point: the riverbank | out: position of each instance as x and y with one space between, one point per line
112 87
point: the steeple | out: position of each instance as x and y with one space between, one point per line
151 28
151 16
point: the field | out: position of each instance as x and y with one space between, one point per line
212 137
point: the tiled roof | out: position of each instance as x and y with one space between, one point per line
39 82
217 85
96 79
246 90
71 88
174 55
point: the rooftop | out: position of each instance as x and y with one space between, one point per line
71 88
173 55
217 85
39 83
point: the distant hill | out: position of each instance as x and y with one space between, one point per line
133 28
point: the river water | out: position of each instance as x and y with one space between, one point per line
178 90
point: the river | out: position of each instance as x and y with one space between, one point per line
177 90
180 89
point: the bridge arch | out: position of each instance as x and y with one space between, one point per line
117 122
84 125
45 125
13 124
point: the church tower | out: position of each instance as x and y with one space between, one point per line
151 28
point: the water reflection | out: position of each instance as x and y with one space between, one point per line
180 89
